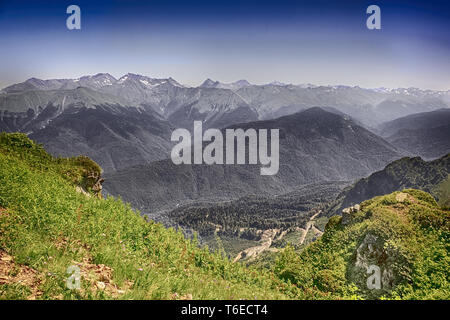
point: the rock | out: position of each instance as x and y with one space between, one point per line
373 269
101 285
400 197
96 183
6 258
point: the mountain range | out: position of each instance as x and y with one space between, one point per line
213 101
327 133
115 136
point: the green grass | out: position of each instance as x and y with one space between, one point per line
44 210
413 238
77 170
14 291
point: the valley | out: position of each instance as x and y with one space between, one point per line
121 255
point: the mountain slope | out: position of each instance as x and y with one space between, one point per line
105 127
94 82
167 97
370 106
37 100
233 218
315 146
424 134
395 246
116 137
404 173
217 107
420 120
208 83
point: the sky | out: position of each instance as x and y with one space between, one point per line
319 42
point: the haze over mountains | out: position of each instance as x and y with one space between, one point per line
208 83
213 100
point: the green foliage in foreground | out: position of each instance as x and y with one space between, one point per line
413 239
148 260
443 192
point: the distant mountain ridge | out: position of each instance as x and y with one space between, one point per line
175 102
97 81
425 134
213 99
208 83
48 110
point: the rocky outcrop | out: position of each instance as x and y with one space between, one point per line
347 213
373 269
92 184
97 186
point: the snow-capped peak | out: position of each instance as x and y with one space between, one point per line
208 83
277 83
147 81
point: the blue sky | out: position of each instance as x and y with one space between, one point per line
320 42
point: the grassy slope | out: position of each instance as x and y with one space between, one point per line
414 233
49 226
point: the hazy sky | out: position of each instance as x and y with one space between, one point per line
319 42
